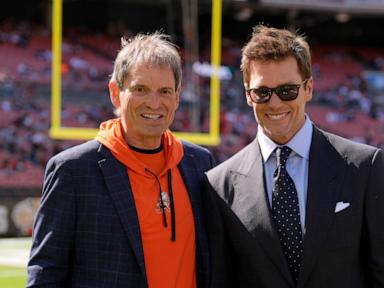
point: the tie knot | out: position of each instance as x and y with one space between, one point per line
282 154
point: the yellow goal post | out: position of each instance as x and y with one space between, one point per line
57 131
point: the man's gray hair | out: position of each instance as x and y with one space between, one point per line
152 49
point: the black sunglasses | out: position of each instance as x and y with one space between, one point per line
286 92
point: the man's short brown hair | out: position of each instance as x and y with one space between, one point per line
272 44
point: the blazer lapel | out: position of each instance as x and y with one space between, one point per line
251 205
116 179
193 185
325 175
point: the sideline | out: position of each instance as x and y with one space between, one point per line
14 251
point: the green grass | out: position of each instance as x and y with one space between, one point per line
12 277
13 261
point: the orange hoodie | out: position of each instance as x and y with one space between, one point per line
169 264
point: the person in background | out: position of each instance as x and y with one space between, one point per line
297 207
125 210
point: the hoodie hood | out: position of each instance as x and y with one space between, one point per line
111 135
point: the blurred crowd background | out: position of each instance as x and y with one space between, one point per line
346 37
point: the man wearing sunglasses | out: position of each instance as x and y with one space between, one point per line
297 207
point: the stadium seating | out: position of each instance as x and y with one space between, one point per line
340 103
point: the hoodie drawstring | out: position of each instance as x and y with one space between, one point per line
162 206
173 212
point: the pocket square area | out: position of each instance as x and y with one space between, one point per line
341 206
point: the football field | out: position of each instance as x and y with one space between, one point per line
13 261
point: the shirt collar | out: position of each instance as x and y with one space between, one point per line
300 143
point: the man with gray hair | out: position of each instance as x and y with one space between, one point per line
124 210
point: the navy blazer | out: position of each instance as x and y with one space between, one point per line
86 232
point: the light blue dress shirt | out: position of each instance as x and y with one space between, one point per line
297 163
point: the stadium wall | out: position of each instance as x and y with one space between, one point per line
17 209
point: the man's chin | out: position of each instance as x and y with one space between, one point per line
153 133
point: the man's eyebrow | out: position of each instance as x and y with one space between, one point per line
167 88
135 85
282 84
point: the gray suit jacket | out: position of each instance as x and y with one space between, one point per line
343 249
86 232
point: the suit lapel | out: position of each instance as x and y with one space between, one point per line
116 179
192 183
251 206
326 170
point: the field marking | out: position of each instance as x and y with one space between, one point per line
14 251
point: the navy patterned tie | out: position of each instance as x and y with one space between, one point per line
286 213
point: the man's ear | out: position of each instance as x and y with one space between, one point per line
178 92
114 93
308 90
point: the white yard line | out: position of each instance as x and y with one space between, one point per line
14 251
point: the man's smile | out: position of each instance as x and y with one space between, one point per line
151 116
278 116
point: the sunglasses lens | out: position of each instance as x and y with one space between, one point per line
287 92
260 95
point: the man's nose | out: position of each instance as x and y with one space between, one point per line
153 100
275 100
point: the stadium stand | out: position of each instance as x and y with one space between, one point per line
342 101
